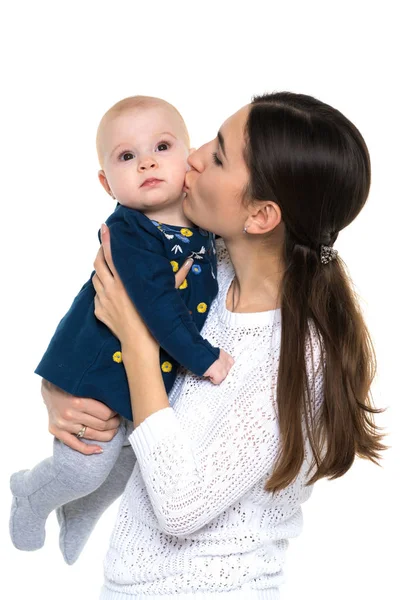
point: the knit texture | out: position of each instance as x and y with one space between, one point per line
194 515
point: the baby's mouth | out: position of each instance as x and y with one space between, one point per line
151 182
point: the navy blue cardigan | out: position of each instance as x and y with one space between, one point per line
84 357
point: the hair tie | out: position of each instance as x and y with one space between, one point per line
328 254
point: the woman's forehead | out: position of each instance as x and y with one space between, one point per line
232 132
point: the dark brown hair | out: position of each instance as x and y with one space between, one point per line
313 162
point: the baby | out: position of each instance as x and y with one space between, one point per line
142 145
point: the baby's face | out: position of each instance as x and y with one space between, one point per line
145 154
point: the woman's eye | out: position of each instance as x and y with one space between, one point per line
216 159
127 156
162 146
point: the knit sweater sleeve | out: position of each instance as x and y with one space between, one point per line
190 484
191 479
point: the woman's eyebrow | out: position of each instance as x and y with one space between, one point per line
222 143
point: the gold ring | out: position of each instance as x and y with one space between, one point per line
81 432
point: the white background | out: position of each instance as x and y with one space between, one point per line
63 65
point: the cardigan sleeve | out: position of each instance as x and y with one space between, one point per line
189 485
139 257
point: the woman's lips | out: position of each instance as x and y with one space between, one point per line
186 187
151 182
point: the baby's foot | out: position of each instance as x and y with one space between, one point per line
27 529
78 518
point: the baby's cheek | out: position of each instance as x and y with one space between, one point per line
122 187
178 173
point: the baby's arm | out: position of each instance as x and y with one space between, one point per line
139 257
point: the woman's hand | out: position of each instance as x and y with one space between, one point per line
112 304
68 414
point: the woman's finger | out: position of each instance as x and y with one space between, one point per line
98 286
183 271
101 267
77 412
102 412
76 444
78 420
74 422
96 436
106 245
68 435
92 413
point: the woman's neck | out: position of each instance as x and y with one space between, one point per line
259 271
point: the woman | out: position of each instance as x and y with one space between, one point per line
220 477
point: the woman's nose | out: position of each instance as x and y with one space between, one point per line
195 161
146 163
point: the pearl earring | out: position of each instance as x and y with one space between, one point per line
245 229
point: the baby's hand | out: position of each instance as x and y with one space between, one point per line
220 368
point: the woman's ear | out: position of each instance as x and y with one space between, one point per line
103 180
263 217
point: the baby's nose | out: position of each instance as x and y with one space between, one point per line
147 163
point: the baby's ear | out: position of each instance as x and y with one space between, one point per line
103 180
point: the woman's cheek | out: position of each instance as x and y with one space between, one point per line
206 191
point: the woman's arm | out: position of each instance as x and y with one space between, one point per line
140 351
190 484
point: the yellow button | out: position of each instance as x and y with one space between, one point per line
202 307
166 367
186 232
117 357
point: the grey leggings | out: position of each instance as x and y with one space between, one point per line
69 475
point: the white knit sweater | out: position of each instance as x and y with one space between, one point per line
195 521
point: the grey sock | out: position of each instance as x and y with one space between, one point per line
78 518
27 529
65 476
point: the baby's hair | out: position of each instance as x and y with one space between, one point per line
136 102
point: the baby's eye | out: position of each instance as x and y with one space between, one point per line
127 156
162 146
